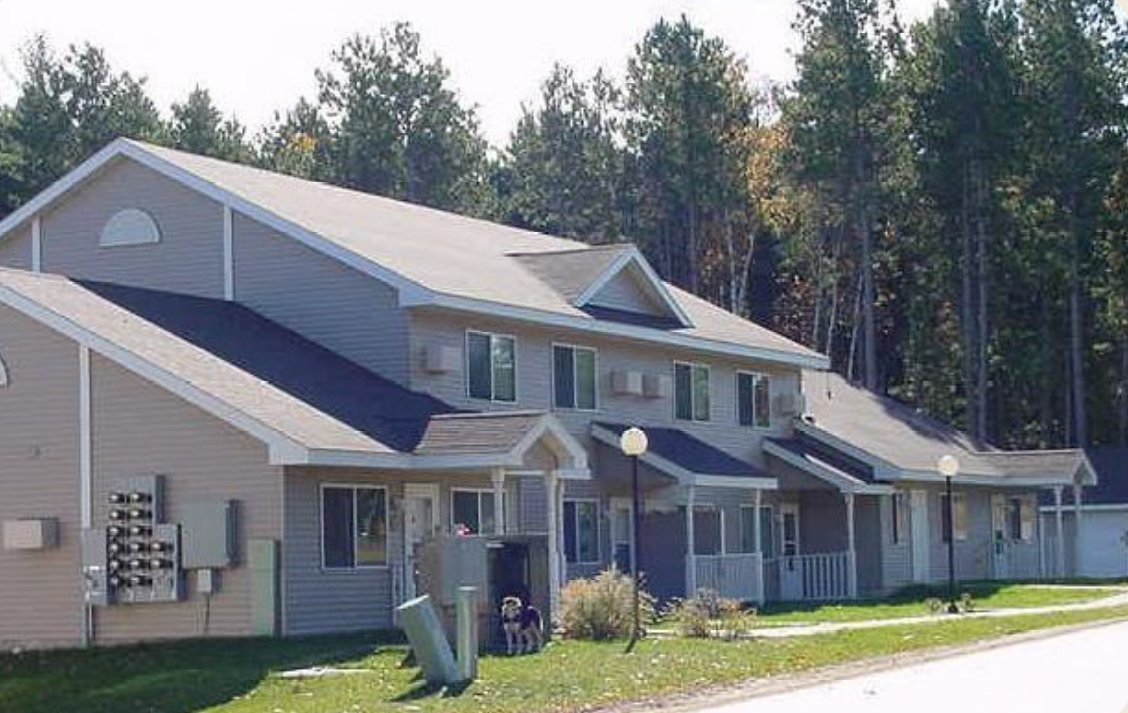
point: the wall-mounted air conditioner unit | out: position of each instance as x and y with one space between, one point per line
790 404
626 382
657 386
440 358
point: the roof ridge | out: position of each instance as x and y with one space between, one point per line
489 414
605 247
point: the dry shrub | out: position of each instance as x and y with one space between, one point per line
602 608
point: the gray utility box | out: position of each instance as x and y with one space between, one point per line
207 531
141 552
499 566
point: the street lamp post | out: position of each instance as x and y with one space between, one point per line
949 467
633 443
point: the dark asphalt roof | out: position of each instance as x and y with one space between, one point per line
822 455
690 453
350 393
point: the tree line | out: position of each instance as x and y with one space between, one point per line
941 208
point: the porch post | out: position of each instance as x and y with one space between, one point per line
1076 529
1059 551
690 546
551 485
757 545
497 476
851 554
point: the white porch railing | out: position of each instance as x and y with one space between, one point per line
737 576
817 577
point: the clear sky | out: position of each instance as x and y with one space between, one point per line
257 56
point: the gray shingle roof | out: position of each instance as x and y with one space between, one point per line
455 255
278 378
907 440
570 272
689 452
497 432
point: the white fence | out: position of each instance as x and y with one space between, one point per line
816 577
737 576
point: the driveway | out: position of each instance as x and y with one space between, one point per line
1083 671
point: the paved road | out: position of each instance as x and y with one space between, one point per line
1082 672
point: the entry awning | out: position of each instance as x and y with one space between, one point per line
836 471
688 459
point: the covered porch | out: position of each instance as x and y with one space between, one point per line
701 514
828 526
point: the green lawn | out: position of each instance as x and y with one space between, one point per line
911 602
236 676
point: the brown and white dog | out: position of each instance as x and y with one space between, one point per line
523 626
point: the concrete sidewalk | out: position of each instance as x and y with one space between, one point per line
781 631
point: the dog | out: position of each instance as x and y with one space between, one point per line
523 626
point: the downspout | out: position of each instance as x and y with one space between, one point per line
86 479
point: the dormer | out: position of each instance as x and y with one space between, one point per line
609 282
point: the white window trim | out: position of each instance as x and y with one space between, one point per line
479 492
692 401
768 517
322 487
721 511
111 235
899 536
466 363
957 497
756 376
575 381
576 525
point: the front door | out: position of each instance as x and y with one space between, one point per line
790 567
621 534
918 505
999 545
420 521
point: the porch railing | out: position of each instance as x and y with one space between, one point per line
816 577
736 576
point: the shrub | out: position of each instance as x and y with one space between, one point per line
967 603
708 614
602 608
933 605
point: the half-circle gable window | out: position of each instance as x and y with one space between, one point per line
129 227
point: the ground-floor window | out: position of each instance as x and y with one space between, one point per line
958 521
748 529
472 511
708 530
354 526
581 531
1020 519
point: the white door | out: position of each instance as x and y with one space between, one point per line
790 566
621 533
1000 547
918 515
420 521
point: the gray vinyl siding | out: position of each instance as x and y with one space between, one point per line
40 600
316 600
534 381
867 543
188 259
623 292
973 555
326 301
15 251
139 428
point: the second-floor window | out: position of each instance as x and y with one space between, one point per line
753 400
491 366
573 377
691 392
